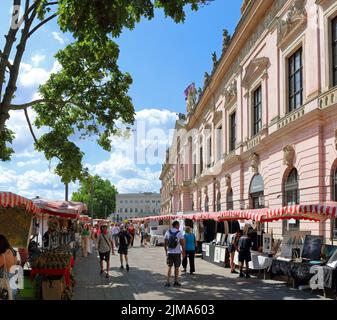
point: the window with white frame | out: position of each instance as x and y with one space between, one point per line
209 152
219 143
232 133
334 51
257 110
295 80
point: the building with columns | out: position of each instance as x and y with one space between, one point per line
263 131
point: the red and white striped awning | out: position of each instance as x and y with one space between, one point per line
313 212
64 209
9 199
254 214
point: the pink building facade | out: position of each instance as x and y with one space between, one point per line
264 130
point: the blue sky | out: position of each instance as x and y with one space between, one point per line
163 59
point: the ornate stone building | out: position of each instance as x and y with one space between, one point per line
264 131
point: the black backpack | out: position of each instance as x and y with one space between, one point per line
173 240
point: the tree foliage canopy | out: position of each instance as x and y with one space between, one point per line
89 94
98 194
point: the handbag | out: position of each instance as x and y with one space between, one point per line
5 288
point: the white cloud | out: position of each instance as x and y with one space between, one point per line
156 117
33 162
135 185
37 58
57 37
34 76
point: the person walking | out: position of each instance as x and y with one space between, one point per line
132 232
142 234
174 245
8 258
244 246
232 248
190 247
105 247
115 232
124 242
85 234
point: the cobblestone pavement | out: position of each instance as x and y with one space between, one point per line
146 280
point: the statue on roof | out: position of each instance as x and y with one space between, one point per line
207 79
214 59
226 38
191 98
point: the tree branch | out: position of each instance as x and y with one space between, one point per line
8 64
24 106
30 126
41 24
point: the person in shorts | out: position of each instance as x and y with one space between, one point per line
105 246
232 248
244 246
124 238
174 247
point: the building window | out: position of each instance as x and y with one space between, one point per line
131 210
232 135
141 210
230 203
218 202
209 153
121 201
201 160
194 166
153 201
291 197
335 199
206 204
334 51
219 143
126 210
136 210
295 71
257 111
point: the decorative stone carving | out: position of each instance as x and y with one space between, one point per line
207 79
295 17
231 90
226 38
228 180
191 98
288 155
214 59
254 162
255 69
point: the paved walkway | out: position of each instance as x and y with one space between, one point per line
146 280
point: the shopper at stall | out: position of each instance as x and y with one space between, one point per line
232 248
132 232
105 247
190 244
85 235
46 239
174 245
124 242
7 260
244 246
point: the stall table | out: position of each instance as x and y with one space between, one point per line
211 257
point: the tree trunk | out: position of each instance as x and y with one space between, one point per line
66 196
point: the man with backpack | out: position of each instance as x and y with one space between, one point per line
244 246
124 242
174 247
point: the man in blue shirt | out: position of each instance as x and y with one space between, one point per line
174 247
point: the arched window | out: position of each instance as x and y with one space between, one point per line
206 204
230 204
218 201
291 196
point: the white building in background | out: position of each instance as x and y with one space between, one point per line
132 205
